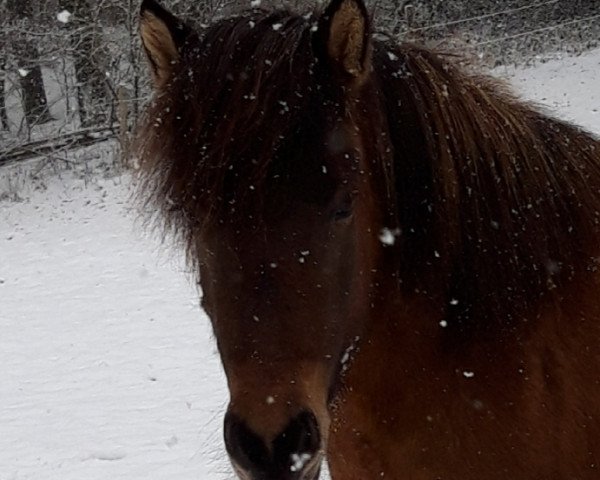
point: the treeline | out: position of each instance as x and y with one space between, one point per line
75 65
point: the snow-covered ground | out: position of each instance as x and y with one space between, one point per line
107 366
569 88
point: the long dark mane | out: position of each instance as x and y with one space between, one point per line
496 200
498 203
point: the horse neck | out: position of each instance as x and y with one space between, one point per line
407 327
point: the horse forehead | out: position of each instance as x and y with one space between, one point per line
280 234
297 235
341 138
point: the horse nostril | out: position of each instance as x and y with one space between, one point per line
298 443
244 446
291 450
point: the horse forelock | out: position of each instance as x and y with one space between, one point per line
242 90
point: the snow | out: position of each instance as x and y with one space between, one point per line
63 16
388 237
298 461
347 355
303 255
569 86
108 365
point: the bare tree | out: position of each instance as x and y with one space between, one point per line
94 71
3 114
3 53
89 61
35 103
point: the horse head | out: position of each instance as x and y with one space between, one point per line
265 135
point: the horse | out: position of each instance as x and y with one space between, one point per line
399 258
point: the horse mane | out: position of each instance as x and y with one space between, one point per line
497 202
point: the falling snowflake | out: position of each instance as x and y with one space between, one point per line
298 461
348 353
64 16
23 72
388 237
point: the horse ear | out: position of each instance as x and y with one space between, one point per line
344 31
163 37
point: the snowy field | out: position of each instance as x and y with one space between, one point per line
108 369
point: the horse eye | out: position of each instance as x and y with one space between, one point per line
343 210
342 213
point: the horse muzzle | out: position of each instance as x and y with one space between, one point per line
294 454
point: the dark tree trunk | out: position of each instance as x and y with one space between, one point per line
3 115
35 103
89 62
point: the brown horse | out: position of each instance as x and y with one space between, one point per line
399 259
